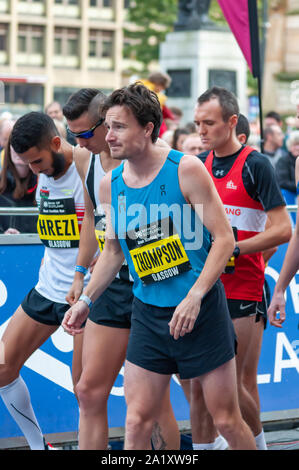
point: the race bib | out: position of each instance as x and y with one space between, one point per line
157 251
57 223
100 230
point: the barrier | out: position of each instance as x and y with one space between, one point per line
48 371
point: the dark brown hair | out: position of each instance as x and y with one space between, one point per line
21 185
143 103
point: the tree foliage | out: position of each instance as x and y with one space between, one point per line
154 19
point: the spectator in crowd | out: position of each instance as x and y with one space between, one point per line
191 127
17 189
285 167
273 143
159 82
5 130
179 136
272 117
177 114
242 129
54 110
192 145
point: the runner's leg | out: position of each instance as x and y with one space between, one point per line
22 337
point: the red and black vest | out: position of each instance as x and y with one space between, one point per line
249 219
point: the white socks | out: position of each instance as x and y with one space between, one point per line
17 400
261 441
219 444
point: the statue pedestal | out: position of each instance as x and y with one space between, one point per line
197 60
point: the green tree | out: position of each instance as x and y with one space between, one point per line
153 19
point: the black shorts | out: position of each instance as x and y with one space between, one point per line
42 309
263 306
211 343
242 308
114 307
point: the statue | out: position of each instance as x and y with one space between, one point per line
193 15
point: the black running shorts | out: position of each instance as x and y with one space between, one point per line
211 343
114 307
242 308
263 306
43 310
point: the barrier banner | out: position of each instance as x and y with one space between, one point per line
47 372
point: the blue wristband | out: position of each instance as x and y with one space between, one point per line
81 269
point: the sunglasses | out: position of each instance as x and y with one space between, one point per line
89 133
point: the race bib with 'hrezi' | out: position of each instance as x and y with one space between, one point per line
157 251
57 224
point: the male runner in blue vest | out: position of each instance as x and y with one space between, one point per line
162 210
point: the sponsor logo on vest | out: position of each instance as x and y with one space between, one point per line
231 185
233 211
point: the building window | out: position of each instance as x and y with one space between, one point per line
101 3
66 41
3 37
24 94
67 2
31 39
66 47
101 43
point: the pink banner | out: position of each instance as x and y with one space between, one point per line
237 16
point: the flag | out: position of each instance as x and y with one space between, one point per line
242 18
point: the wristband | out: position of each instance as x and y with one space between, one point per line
81 269
236 252
86 299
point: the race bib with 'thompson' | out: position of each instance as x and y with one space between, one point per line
157 251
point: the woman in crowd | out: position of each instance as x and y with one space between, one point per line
17 189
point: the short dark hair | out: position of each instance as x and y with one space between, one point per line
79 102
32 130
143 103
274 115
242 126
227 100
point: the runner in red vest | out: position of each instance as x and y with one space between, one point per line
247 186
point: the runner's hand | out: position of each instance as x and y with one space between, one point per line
184 316
276 311
75 317
75 291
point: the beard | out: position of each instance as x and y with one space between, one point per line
58 163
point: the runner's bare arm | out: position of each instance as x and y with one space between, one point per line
199 191
88 244
106 268
278 231
276 311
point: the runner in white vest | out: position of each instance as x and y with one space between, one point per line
61 205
